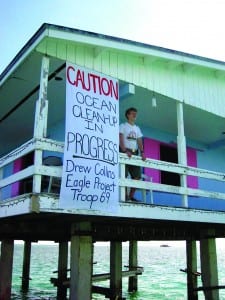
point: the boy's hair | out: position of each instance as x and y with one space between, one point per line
130 110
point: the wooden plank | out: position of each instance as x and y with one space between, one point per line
210 288
101 290
31 145
55 171
171 167
49 144
100 277
170 189
17 153
17 176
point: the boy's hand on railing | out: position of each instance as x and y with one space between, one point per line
129 153
143 156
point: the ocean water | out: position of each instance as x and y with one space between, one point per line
161 279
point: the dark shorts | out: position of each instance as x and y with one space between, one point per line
133 171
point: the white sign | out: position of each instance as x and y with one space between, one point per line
90 168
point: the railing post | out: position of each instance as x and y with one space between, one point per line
122 188
41 116
41 112
181 147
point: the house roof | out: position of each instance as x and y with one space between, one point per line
44 31
19 82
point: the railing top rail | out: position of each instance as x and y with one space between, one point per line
17 153
29 146
56 146
171 167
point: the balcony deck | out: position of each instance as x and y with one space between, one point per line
39 201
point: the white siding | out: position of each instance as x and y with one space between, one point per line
195 85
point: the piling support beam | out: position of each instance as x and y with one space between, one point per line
191 270
62 270
6 267
81 261
209 267
115 270
133 262
26 266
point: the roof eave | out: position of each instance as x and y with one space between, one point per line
24 52
95 39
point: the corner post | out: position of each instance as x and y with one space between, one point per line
41 112
122 188
181 147
41 116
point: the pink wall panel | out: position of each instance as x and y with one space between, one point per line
192 181
16 186
152 150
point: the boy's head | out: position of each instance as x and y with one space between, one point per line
131 110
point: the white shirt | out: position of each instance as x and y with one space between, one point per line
131 133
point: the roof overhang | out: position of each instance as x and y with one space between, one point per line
105 41
20 81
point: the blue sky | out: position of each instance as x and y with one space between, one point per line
191 26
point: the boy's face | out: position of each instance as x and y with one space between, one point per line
132 116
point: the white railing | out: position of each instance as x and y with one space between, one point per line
35 169
54 146
169 167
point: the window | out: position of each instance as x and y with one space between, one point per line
169 154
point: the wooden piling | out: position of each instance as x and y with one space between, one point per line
26 266
6 267
191 270
133 263
115 270
209 267
81 261
62 270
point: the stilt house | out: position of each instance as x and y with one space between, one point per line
180 100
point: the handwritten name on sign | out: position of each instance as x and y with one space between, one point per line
90 168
